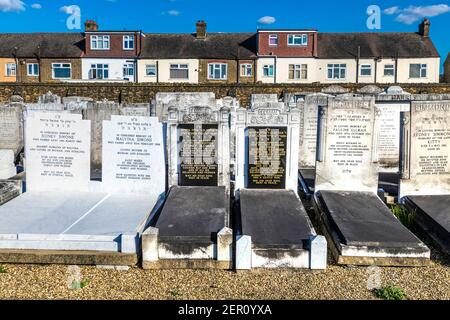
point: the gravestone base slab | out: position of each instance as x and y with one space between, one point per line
432 215
91 222
68 257
199 264
276 230
185 235
306 178
361 230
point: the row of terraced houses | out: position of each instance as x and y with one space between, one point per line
267 56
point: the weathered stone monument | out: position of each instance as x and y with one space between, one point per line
11 133
7 167
309 112
425 167
97 112
180 100
135 109
360 228
63 217
49 97
271 225
76 104
9 190
193 227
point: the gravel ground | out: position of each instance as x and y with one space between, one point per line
50 282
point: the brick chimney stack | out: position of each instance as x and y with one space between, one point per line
90 25
424 28
201 30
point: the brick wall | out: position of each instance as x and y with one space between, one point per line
233 71
46 69
145 92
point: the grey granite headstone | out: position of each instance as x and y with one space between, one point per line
97 112
309 111
76 103
11 133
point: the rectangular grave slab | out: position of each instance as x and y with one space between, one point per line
9 190
361 230
432 214
272 229
74 221
188 228
85 221
278 226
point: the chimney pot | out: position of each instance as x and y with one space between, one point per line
424 28
90 25
201 29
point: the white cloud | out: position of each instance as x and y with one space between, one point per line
12 5
266 20
173 13
391 10
36 6
413 14
69 9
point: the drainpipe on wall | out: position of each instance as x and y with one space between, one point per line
357 64
275 70
157 71
376 69
396 68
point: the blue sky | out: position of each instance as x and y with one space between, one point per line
229 16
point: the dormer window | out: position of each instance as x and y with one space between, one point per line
100 42
298 40
128 42
273 40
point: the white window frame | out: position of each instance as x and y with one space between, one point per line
365 67
11 70
217 66
99 68
298 68
147 67
104 39
127 41
268 67
61 64
33 73
292 37
339 67
271 37
245 67
423 68
389 67
179 66
126 69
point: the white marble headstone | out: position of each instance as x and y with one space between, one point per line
388 131
58 152
133 155
426 149
346 157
